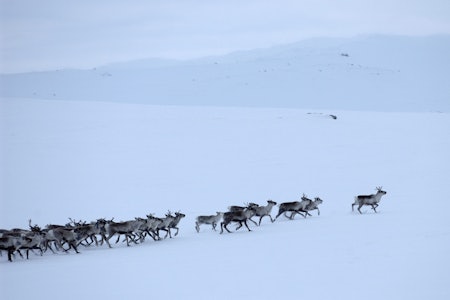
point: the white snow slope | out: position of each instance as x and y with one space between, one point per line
87 160
377 73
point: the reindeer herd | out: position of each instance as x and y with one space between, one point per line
75 233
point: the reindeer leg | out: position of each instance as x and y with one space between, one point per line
10 254
223 225
374 207
240 225
359 208
276 217
253 221
300 213
197 227
292 215
106 240
260 219
74 247
245 222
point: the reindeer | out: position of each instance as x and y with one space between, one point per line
296 207
60 235
240 217
262 211
175 221
127 228
371 200
16 239
33 239
151 226
164 225
308 205
8 244
314 205
93 229
213 220
236 208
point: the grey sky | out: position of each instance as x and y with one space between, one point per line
51 34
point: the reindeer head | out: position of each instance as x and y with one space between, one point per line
318 200
34 228
179 215
271 202
380 190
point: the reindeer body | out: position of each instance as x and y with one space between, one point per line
308 205
240 217
211 220
164 225
296 207
371 200
314 205
127 228
8 243
175 221
262 211
62 235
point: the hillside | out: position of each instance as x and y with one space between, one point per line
377 73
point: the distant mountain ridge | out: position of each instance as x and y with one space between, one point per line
381 73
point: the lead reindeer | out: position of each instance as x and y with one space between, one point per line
371 200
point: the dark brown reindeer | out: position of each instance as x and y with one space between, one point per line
309 205
371 200
236 208
295 207
240 216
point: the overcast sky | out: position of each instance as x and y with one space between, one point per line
52 34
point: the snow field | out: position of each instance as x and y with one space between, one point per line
88 160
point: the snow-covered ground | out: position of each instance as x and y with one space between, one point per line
87 160
93 159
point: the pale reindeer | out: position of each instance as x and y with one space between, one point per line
262 211
210 220
175 221
371 200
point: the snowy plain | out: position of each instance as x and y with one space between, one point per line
64 158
